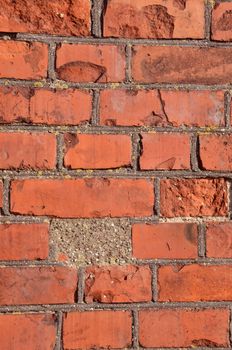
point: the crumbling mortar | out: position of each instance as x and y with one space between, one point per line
59 322
95 120
194 153
202 241
227 106
135 329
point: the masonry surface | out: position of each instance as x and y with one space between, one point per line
115 174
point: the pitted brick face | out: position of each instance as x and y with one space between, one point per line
115 174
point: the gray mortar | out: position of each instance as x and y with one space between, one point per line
92 241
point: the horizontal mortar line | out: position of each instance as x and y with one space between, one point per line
196 220
138 262
112 173
151 219
23 219
62 84
191 348
114 40
120 130
122 306
199 261
30 263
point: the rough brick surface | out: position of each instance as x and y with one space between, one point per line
219 240
91 63
97 151
194 65
161 108
63 17
195 283
25 331
71 107
23 241
193 197
38 106
165 151
215 152
97 329
37 285
115 174
164 241
36 151
160 19
184 328
222 21
23 60
118 284
96 197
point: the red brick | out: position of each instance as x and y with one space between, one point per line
173 64
36 151
51 17
42 106
193 197
97 151
165 151
14 104
164 241
219 240
216 152
23 241
184 328
118 284
195 283
96 197
37 285
221 22
28 331
144 107
70 107
21 60
91 63
97 329
154 19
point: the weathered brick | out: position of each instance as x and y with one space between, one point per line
28 331
162 108
96 197
43 106
195 283
219 240
92 151
63 17
184 328
164 241
118 284
97 329
36 151
21 60
216 152
70 107
23 241
37 285
193 197
154 19
173 64
165 151
91 63
221 21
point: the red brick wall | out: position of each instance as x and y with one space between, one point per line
116 109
